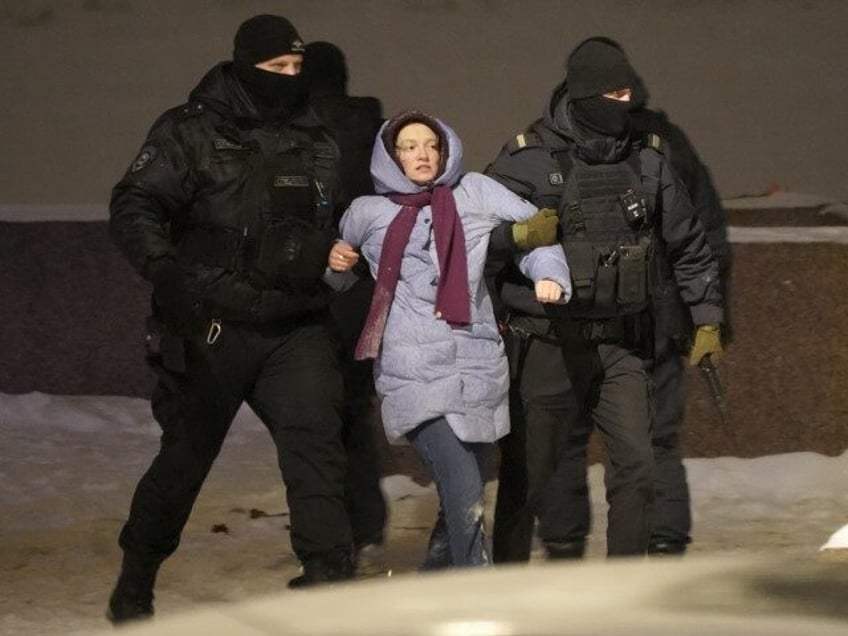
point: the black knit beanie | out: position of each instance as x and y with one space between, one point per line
325 67
264 37
597 66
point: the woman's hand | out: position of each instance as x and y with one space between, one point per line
548 291
342 257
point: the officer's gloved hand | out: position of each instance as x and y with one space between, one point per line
707 343
172 297
537 231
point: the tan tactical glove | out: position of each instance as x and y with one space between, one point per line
707 343
537 231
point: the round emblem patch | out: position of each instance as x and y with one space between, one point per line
147 154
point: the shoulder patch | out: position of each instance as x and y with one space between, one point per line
145 156
522 141
654 141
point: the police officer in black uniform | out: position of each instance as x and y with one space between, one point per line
627 225
354 122
228 211
548 401
567 506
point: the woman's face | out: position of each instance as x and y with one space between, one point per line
417 148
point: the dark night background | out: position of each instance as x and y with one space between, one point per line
758 84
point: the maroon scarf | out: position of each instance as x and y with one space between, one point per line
452 301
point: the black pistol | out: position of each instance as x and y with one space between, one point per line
711 377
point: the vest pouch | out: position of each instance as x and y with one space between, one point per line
632 274
583 263
290 186
605 295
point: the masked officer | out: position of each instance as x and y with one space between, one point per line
627 225
228 211
567 503
353 122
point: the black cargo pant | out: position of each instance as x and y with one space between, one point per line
366 505
289 375
611 391
672 518
566 515
543 413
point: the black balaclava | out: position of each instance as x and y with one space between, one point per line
598 66
325 69
261 38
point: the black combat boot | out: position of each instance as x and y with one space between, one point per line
132 598
327 568
564 550
665 547
370 560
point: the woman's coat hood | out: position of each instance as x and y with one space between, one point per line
388 176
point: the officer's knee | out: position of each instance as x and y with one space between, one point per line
668 441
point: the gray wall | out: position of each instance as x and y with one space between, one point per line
758 84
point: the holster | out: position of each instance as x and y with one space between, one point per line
516 348
633 331
164 351
519 331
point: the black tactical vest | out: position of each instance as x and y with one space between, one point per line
608 221
297 231
280 228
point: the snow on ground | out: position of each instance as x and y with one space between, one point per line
69 464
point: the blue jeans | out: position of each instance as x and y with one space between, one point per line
459 469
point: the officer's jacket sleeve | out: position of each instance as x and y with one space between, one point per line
513 170
695 266
696 177
502 205
153 195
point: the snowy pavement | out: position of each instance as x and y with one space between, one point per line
68 466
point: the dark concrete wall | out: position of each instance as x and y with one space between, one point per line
72 312
785 373
73 323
